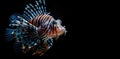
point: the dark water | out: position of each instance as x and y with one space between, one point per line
74 15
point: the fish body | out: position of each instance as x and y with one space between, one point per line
34 30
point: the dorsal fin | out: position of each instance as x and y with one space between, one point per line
33 10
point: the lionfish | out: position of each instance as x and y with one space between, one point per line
34 30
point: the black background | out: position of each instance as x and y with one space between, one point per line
77 16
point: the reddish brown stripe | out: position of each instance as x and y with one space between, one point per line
39 19
32 21
35 21
44 18
52 28
56 30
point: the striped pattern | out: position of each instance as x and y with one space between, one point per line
41 20
36 14
32 11
34 29
45 24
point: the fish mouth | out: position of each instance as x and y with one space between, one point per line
62 31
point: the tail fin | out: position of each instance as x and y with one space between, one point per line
9 34
9 31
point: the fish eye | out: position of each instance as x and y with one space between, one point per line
54 22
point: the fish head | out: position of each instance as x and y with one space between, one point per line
60 30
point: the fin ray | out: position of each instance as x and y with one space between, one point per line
33 10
